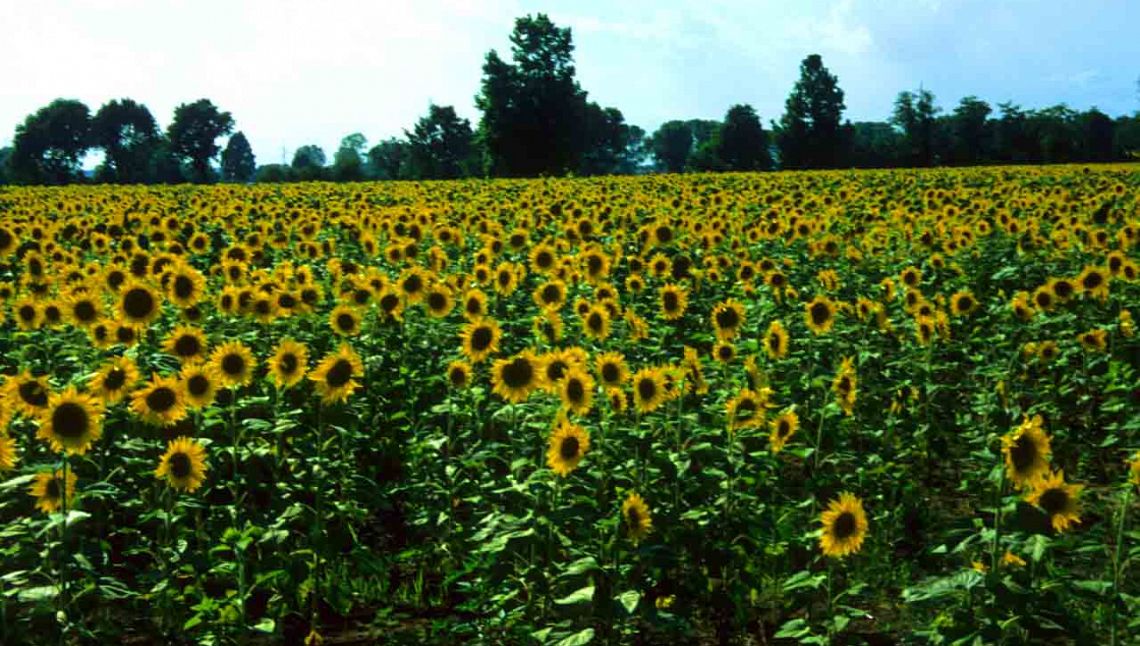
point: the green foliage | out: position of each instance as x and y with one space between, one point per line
238 163
128 135
193 134
441 146
809 134
49 145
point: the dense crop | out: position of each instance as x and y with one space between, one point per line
830 406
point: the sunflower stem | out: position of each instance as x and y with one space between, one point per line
994 558
1126 499
62 566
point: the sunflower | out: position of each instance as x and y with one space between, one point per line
1026 450
161 402
115 379
596 322
551 294
635 515
28 314
516 377
27 394
185 285
577 391
1063 288
845 385
1093 340
474 304
183 466
746 409
7 453
611 369
728 318
819 314
1047 351
724 352
71 422
344 321
391 304
51 488
289 363
199 384
554 366
438 301
776 340
187 343
568 444
459 374
335 376
234 364
138 303
844 526
547 326
480 339
1057 499
83 310
963 303
1094 282
911 276
673 299
412 284
783 428
648 389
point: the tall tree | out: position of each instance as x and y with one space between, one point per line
1098 136
309 163
5 160
194 132
127 133
971 130
533 109
810 135
348 161
671 146
743 144
50 144
916 114
440 145
238 162
607 138
389 159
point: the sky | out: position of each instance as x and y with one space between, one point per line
296 72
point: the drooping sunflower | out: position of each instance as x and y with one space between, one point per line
648 389
1094 340
480 339
636 517
72 421
50 489
183 466
289 363
234 363
515 378
335 376
612 369
138 304
728 318
568 444
186 342
845 385
459 374
844 526
1057 499
115 379
673 300
776 340
783 428
7 453
819 314
161 402
199 383
577 391
27 394
1026 449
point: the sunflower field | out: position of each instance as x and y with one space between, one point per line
835 407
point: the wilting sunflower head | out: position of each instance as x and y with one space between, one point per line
51 490
568 444
234 364
289 363
1057 499
183 466
636 517
1026 450
72 421
776 340
844 526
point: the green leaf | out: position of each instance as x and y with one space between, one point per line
581 566
583 595
629 600
577 639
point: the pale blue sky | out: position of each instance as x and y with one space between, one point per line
294 72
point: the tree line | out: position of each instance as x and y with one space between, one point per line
536 120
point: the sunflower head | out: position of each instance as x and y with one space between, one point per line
51 489
728 318
335 377
648 389
289 363
844 526
183 466
568 444
819 314
459 374
199 383
71 422
480 339
234 364
783 428
162 402
576 390
115 379
1057 499
636 517
138 304
1026 450
515 378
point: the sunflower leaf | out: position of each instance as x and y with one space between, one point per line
578 638
582 595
